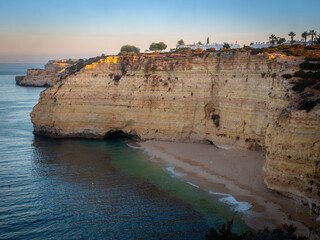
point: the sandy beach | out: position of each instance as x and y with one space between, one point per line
238 173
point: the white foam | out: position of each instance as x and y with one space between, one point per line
226 198
232 202
220 194
173 172
134 147
193 184
149 153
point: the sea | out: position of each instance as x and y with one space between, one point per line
92 189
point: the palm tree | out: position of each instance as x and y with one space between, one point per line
292 34
272 38
305 35
312 33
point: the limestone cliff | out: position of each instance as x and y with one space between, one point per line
50 75
230 98
293 155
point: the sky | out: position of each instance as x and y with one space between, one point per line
40 30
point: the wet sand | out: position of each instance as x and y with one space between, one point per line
236 172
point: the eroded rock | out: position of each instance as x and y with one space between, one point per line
221 98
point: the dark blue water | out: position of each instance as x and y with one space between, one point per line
86 189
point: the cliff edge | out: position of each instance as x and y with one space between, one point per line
228 98
53 71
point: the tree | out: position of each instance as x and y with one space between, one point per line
180 42
207 40
199 43
313 34
226 45
126 49
272 38
292 34
162 46
281 40
158 46
153 47
304 35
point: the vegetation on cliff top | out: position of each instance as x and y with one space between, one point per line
224 232
81 63
311 53
307 84
158 46
180 42
128 49
307 78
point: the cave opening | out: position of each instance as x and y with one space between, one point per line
119 134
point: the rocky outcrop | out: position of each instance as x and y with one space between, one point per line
231 98
46 77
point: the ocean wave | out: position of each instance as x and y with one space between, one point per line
232 202
192 184
225 198
147 151
173 172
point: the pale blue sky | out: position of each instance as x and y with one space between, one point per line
39 30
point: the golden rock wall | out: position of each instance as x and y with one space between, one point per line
232 99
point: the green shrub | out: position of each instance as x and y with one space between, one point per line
270 50
198 50
283 46
184 51
225 233
125 49
226 45
248 48
313 47
211 50
158 46
256 51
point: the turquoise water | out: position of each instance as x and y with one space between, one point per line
89 189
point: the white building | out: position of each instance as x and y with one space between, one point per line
260 45
217 46
268 44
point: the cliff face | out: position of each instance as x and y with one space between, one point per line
226 99
233 99
293 155
48 76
